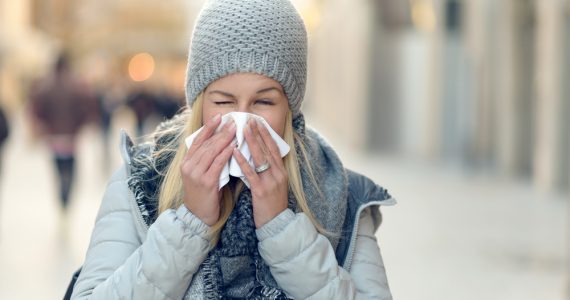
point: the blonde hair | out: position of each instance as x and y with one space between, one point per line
171 191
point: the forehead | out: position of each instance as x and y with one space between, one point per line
244 81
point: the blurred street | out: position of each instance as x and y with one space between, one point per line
458 107
38 244
453 235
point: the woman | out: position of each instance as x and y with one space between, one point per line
303 229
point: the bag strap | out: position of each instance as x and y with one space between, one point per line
71 285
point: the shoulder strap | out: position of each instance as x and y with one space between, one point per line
71 285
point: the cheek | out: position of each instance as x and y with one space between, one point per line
277 123
209 112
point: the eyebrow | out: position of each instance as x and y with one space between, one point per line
223 93
268 89
258 92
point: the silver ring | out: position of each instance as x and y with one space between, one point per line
262 168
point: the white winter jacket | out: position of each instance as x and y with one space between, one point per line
128 260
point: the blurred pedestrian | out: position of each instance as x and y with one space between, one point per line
61 103
143 105
294 224
4 133
109 99
167 105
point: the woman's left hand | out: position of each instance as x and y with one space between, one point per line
269 188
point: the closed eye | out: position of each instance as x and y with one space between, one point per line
223 102
264 102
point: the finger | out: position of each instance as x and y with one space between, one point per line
269 143
247 170
207 131
257 152
205 137
211 148
220 161
257 135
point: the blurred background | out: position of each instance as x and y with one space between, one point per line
460 108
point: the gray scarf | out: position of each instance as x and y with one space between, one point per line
234 268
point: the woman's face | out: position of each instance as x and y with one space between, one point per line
247 92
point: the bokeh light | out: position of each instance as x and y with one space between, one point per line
423 15
141 66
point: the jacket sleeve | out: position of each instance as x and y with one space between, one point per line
118 265
303 262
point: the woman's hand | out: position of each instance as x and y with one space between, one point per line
269 188
202 166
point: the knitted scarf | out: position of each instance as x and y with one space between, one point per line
234 267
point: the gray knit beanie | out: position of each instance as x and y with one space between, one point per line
266 37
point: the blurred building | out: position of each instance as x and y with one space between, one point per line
22 49
480 83
101 36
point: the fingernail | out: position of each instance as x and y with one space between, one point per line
217 117
232 125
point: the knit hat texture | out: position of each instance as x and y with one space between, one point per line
266 37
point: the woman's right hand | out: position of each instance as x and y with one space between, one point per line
202 166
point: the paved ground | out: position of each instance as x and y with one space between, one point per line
453 235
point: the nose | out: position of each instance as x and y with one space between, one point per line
244 107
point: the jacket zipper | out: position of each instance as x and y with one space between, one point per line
352 244
138 216
126 143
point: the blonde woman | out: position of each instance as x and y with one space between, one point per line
295 226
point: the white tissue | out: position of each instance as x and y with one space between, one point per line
232 167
